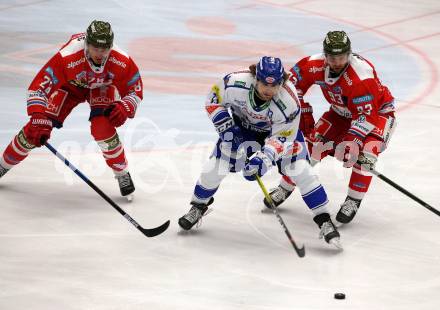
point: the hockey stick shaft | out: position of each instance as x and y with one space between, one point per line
301 251
147 232
404 191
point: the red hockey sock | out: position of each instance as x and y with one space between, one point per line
359 182
115 157
109 143
16 151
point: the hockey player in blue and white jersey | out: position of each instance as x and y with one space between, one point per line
256 114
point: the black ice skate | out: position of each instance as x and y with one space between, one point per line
194 215
126 185
278 195
348 210
3 171
328 230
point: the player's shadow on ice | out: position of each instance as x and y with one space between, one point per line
282 210
192 232
3 187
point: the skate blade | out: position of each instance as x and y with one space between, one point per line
130 197
336 242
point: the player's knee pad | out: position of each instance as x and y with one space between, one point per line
367 161
213 172
295 152
101 129
105 135
111 144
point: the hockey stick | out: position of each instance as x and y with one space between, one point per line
404 191
147 232
300 251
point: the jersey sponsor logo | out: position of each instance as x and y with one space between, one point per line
286 133
363 99
316 69
215 96
347 78
133 80
52 75
321 84
79 83
360 185
282 139
98 100
337 90
110 144
12 159
360 127
297 70
361 119
240 83
73 64
81 76
21 139
281 105
254 115
117 62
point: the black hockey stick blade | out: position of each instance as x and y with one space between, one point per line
300 251
152 232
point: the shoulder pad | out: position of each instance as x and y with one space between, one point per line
75 44
118 50
319 56
287 99
363 69
240 79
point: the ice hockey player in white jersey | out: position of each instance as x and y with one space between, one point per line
256 114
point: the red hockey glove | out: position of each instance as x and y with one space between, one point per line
118 113
307 122
348 150
37 130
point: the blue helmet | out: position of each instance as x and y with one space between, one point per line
270 70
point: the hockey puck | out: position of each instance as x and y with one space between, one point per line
339 296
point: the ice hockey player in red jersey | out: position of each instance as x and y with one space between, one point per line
88 68
358 125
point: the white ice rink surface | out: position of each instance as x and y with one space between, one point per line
63 247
